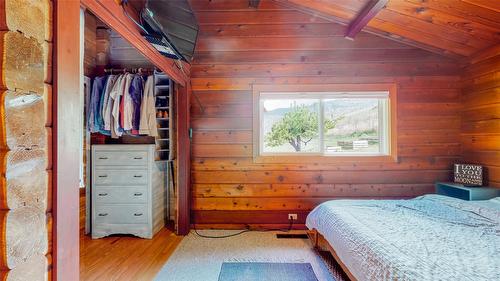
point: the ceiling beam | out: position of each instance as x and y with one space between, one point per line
111 13
296 5
368 13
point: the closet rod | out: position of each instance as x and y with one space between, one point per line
130 70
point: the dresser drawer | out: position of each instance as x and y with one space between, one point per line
120 177
120 158
120 195
121 214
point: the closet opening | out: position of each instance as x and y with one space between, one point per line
128 157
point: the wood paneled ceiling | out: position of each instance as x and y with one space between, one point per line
457 28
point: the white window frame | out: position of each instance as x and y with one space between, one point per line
384 120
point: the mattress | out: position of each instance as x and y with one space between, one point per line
431 237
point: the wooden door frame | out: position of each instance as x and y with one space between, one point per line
112 15
65 140
65 145
182 102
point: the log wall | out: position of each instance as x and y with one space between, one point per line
481 117
238 47
25 139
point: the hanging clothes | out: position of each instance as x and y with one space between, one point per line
127 106
93 107
103 105
136 93
118 105
116 95
147 124
108 107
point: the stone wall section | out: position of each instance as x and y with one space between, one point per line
25 139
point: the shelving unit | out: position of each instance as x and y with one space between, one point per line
163 104
164 153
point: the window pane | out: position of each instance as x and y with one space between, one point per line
290 125
351 125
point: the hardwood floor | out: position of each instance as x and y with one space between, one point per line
124 257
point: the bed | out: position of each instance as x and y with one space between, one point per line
431 237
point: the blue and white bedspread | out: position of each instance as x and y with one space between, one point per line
431 237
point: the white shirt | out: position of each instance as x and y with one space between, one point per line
105 113
128 104
108 108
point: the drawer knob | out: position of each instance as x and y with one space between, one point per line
103 176
138 214
103 158
103 214
138 194
138 158
137 176
103 194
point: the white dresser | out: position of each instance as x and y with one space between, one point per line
128 193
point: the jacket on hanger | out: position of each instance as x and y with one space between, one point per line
107 111
126 108
93 107
136 93
116 95
147 124
103 104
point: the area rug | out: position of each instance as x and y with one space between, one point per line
258 271
201 259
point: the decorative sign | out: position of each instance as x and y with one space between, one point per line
468 174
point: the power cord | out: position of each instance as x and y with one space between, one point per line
248 229
219 237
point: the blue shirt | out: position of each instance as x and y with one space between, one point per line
136 91
95 99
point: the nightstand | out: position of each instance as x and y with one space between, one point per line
466 193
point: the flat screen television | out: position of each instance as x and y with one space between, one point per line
171 26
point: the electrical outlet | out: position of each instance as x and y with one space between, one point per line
292 217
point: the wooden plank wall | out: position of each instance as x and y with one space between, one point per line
238 46
90 45
481 117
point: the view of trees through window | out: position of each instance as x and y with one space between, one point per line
291 125
349 125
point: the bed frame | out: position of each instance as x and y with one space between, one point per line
319 242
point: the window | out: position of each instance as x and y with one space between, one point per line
337 123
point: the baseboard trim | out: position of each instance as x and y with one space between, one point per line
247 226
